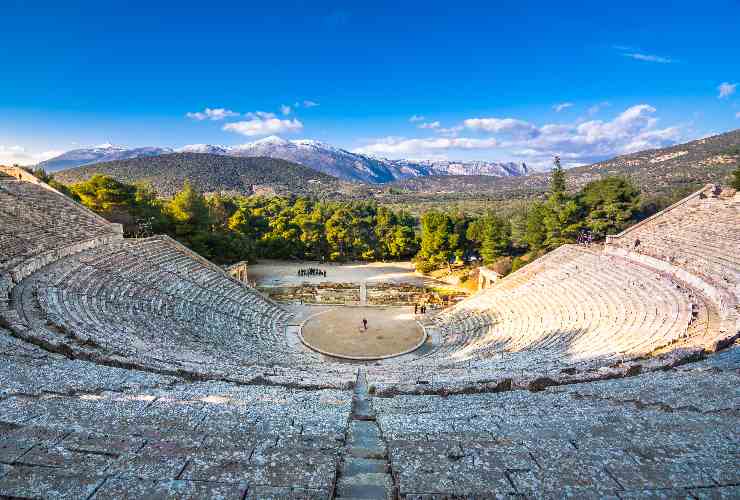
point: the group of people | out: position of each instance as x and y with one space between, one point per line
585 238
420 308
312 271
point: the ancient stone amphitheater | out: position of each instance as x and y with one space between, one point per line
133 368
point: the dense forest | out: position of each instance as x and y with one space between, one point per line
231 228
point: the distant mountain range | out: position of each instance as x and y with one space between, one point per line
317 155
655 171
96 154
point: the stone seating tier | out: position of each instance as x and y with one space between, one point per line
698 236
37 219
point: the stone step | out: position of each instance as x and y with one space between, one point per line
364 429
354 466
370 486
367 436
367 443
375 452
362 410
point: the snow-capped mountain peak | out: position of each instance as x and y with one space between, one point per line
272 140
108 145
318 155
97 154
204 148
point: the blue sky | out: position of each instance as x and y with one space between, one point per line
486 77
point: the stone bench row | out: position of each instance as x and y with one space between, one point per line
589 307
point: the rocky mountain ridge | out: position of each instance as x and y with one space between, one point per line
317 155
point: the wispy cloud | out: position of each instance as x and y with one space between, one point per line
263 115
212 114
305 104
430 125
285 109
417 118
726 89
563 105
639 56
737 115
265 124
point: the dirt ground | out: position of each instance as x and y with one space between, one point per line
285 273
390 330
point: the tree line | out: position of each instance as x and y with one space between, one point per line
507 242
231 228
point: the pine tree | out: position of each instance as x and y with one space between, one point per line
536 233
561 213
438 241
557 183
735 182
609 203
192 219
496 239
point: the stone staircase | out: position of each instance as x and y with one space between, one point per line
365 471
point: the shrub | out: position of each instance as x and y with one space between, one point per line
502 266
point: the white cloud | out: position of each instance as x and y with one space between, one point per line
737 115
635 128
430 125
263 125
12 155
285 109
212 114
416 118
450 131
648 57
405 146
500 125
726 89
632 130
262 115
563 105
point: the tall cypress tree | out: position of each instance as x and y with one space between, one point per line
561 213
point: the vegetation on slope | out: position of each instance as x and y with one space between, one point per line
667 172
211 173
